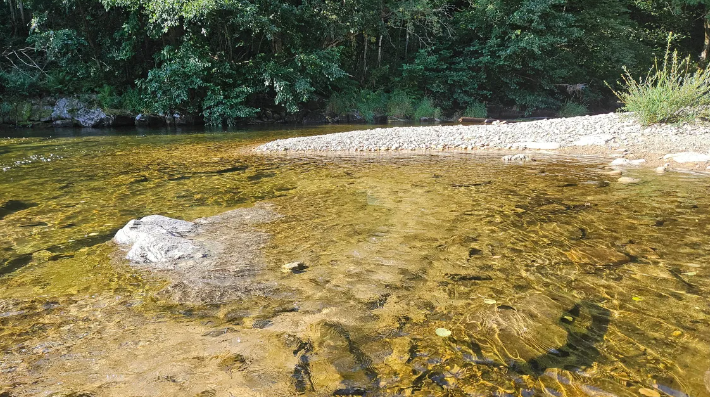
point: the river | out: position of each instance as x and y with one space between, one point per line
428 274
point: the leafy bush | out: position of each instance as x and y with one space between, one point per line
477 109
426 108
225 107
370 104
108 98
132 101
340 103
573 109
400 105
669 93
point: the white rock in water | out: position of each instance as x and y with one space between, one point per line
622 161
158 239
628 180
688 157
539 145
516 157
293 267
590 140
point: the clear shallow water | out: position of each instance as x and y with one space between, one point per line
550 280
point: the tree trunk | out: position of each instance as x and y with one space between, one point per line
379 52
364 57
406 44
22 12
706 45
12 11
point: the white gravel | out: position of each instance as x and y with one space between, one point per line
613 131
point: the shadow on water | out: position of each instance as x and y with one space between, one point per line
580 349
12 206
16 261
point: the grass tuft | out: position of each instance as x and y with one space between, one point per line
573 109
670 92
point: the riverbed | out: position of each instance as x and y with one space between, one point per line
425 274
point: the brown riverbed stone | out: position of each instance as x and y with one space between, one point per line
598 256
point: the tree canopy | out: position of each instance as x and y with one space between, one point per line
230 59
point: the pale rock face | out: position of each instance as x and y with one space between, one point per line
688 157
593 140
92 118
66 108
158 239
622 161
73 109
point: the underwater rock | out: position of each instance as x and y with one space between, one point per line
628 180
209 261
158 240
598 256
516 157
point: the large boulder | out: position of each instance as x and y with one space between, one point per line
159 240
93 118
209 261
66 108
80 113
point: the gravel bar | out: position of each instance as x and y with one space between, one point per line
613 134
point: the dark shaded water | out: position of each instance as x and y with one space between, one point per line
443 275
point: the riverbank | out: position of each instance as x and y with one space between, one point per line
612 135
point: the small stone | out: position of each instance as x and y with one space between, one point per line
677 333
628 180
649 392
614 173
489 301
294 267
443 332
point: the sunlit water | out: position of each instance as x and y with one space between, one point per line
547 279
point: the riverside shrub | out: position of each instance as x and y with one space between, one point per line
670 92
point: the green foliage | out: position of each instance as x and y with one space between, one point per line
669 93
573 109
132 101
222 107
427 109
477 109
225 59
108 98
370 104
400 105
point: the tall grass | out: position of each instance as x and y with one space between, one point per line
670 92
426 108
573 109
477 109
400 105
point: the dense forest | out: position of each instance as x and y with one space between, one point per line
228 60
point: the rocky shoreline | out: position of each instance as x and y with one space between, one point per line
608 135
